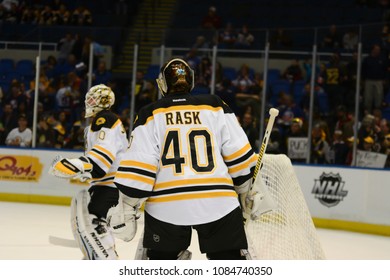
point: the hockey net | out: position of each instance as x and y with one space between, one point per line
288 232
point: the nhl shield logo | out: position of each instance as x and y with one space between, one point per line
328 189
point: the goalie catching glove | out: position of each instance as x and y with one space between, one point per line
122 219
71 168
255 198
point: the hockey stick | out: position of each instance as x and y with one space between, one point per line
250 253
63 242
273 112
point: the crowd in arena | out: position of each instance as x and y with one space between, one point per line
63 84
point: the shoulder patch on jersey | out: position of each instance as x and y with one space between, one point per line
105 119
100 121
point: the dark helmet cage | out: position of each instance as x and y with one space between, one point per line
176 76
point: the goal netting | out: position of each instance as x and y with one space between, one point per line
288 232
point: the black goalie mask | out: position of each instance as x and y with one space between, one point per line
175 76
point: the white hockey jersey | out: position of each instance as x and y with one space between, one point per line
106 142
186 154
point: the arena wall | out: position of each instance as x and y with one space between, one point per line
354 199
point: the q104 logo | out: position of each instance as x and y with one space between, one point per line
328 189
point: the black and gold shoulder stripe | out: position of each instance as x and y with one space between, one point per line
105 119
175 101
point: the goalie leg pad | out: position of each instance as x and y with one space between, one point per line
92 235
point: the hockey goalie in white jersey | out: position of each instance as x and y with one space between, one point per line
106 141
188 158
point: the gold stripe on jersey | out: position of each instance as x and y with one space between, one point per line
245 165
105 151
197 181
138 178
239 153
108 175
118 122
111 182
189 196
100 158
132 163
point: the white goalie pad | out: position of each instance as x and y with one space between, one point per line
93 237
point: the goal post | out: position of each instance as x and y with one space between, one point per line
287 232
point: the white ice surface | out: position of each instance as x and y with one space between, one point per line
26 228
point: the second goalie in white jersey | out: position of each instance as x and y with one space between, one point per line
105 142
187 153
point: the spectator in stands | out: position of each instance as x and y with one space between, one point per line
8 121
29 15
201 43
319 147
81 16
61 128
306 101
212 20
367 128
86 49
227 37
250 130
192 58
46 16
226 91
245 38
64 96
332 40
386 149
125 118
350 40
350 82
20 136
61 15
333 80
280 40
203 73
49 67
12 15
293 72
65 46
15 95
45 136
101 75
296 130
146 96
78 47
288 111
368 144
343 121
76 135
7 4
245 95
374 71
384 126
338 150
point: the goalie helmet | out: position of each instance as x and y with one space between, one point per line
175 76
98 98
